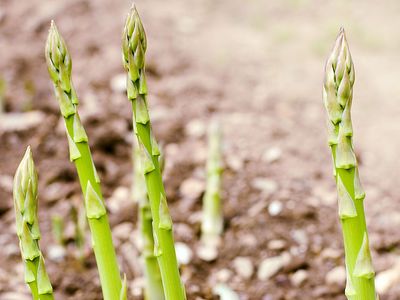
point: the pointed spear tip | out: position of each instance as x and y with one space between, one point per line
28 155
53 27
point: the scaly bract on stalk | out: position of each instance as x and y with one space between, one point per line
25 194
338 96
134 46
59 65
153 284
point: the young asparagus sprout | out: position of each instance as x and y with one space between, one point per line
213 221
25 193
337 96
59 65
57 224
134 46
78 216
153 283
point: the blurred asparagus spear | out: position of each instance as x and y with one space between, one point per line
153 283
212 222
25 193
57 224
134 46
59 66
3 87
338 95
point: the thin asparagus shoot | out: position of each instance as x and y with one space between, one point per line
212 218
337 96
153 283
134 46
57 226
59 66
25 194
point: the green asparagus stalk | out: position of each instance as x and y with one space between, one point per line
338 95
25 192
3 87
59 66
212 222
134 46
153 283
79 219
57 224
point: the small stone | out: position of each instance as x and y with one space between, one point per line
336 276
299 277
15 296
56 253
385 280
234 162
184 231
257 208
330 253
136 239
195 128
265 185
12 122
325 196
11 250
300 236
118 83
276 245
183 253
207 253
243 267
137 286
249 240
123 231
225 292
192 188
275 208
270 266
6 183
272 155
223 275
117 200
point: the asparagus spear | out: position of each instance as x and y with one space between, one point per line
134 46
59 66
212 223
337 95
153 286
25 192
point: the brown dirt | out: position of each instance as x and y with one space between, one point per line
257 66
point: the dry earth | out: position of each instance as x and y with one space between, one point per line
255 65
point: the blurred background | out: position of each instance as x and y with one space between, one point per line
256 65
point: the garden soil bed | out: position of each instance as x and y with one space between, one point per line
258 69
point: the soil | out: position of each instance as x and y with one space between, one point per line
257 66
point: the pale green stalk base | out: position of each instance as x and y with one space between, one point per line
353 233
101 233
164 245
153 284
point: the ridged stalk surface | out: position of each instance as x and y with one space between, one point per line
59 66
338 95
153 283
134 46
